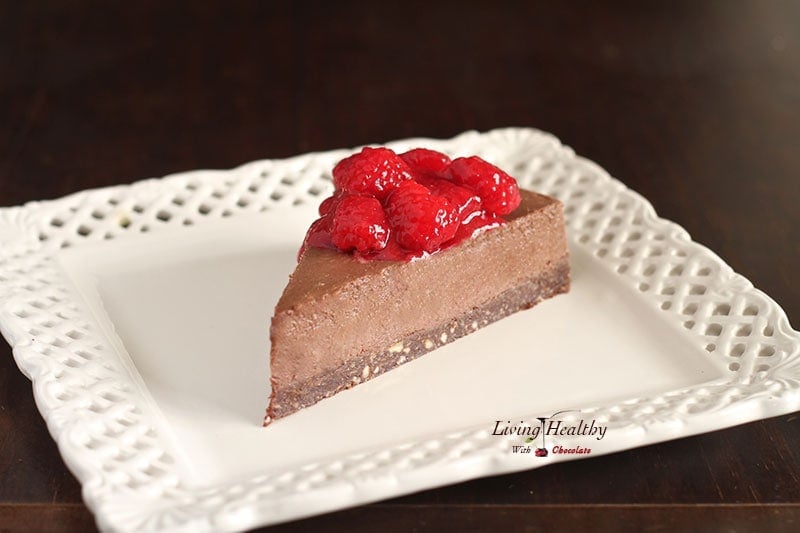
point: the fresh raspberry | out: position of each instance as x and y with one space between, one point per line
421 220
374 171
317 236
498 190
476 223
359 223
466 201
394 252
330 203
426 162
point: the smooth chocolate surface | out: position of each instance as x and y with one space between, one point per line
337 310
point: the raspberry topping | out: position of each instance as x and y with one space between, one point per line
359 223
478 223
421 220
497 189
400 207
317 236
375 171
467 202
330 203
427 162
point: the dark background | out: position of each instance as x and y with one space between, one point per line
694 104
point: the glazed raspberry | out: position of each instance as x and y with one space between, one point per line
420 220
426 162
477 223
466 201
359 223
317 236
374 171
330 203
393 207
497 189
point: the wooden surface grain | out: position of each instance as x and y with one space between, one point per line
696 105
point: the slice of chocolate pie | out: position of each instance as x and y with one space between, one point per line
411 253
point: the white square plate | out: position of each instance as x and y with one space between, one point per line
141 315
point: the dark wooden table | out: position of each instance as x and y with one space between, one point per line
696 105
